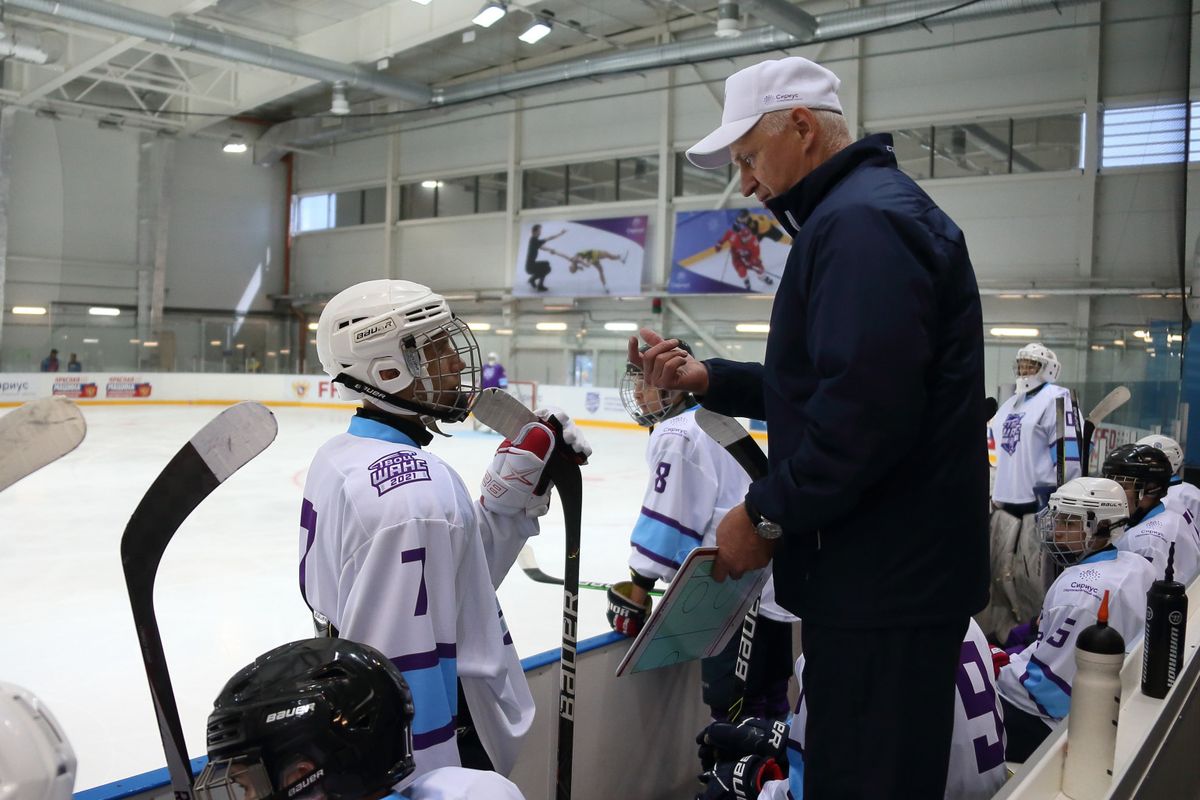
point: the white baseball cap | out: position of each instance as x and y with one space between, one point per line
767 86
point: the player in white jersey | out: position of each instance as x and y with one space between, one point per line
976 770
1077 529
693 483
1024 435
1181 496
325 719
394 550
1144 471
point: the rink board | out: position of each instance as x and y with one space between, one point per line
662 708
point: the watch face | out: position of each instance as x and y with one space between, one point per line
768 530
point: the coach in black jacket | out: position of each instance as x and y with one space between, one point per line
875 506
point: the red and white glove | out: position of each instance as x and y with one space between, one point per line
571 435
510 481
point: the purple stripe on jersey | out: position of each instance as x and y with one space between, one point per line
507 637
429 658
676 524
1059 682
308 521
436 736
650 554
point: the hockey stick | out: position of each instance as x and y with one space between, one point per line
1111 402
218 450
1060 432
738 442
37 433
1083 470
504 413
527 561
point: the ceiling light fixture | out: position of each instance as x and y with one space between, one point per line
729 23
215 342
422 2
340 105
535 32
236 143
479 326
33 311
104 311
432 184
620 326
1025 333
752 327
91 341
552 326
490 14
504 331
312 326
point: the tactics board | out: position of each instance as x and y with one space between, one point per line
696 616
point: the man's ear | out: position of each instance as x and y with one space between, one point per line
804 124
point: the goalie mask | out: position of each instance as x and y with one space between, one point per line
1035 365
319 718
1169 446
397 343
1081 517
647 405
36 760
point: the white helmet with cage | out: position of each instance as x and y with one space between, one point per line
1169 446
646 404
1080 512
1035 365
398 343
36 760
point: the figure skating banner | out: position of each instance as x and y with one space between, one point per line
731 250
581 258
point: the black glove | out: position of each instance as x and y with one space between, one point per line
739 780
624 615
724 741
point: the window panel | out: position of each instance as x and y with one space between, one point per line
348 209
313 213
544 187
637 178
912 151
456 197
1048 143
592 182
493 192
975 148
691 180
417 201
374 205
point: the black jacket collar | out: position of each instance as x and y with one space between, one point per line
793 207
413 430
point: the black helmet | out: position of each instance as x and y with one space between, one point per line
1141 462
339 705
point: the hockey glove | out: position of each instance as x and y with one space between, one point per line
570 432
624 615
510 481
724 741
739 780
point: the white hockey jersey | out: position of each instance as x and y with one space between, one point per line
976 770
1038 679
693 484
399 555
456 783
1151 538
1183 497
1024 435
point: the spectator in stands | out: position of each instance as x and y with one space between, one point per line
73 365
50 362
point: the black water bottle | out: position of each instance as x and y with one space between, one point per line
1166 624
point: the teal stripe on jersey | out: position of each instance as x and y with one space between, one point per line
662 539
435 695
1048 695
795 778
371 429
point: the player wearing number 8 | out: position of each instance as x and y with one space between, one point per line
1077 529
395 552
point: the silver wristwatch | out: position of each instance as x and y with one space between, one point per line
762 526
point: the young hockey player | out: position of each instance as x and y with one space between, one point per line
1181 496
394 550
324 719
36 760
693 483
1144 472
1077 529
1025 437
976 769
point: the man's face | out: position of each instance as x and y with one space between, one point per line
771 163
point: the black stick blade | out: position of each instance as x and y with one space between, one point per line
730 434
218 450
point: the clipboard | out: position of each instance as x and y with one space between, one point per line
696 616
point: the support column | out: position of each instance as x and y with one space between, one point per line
6 143
1087 202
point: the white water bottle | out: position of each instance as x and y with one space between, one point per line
1095 706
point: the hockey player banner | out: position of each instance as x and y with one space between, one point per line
730 250
581 258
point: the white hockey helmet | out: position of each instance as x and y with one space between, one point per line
1080 512
1041 360
377 327
36 760
1167 445
647 405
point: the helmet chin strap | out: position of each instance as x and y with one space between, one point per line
457 414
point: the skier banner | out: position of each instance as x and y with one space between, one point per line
729 250
581 258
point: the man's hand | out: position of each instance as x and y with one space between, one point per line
739 547
665 366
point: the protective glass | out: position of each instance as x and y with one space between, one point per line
446 365
645 404
1065 535
242 778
